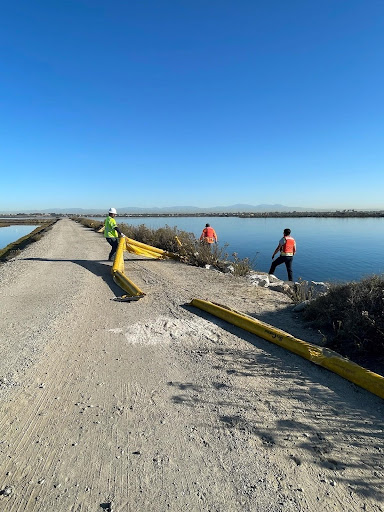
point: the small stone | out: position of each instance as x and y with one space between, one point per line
301 306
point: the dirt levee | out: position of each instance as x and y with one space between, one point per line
153 405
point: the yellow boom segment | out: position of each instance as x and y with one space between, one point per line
132 246
321 356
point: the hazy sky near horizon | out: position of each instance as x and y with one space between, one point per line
180 102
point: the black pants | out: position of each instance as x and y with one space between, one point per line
114 242
288 263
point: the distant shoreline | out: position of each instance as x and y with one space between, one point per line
247 215
243 215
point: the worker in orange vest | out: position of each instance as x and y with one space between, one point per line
287 248
208 235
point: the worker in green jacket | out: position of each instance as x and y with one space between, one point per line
112 232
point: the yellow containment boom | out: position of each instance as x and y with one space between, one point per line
132 246
146 250
321 356
133 291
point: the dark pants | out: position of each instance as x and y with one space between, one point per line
114 242
288 263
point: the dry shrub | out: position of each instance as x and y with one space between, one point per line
300 291
353 316
243 266
207 254
88 223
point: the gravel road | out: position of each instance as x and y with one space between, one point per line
156 406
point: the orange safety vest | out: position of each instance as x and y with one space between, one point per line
289 247
209 235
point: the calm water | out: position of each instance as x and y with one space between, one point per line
13 233
327 249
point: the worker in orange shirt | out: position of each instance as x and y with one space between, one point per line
208 235
287 248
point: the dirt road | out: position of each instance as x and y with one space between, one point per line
156 406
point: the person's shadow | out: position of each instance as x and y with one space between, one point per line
98 268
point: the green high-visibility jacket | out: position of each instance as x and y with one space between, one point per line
110 228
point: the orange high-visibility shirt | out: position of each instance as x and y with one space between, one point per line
289 246
209 235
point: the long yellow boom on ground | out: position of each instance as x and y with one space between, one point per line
321 356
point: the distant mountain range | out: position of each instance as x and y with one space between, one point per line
235 208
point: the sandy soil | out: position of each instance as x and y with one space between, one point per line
156 406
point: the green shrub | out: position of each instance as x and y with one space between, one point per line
352 315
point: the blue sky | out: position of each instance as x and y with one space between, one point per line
191 102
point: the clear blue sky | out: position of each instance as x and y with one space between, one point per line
191 102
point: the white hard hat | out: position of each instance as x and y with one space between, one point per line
112 210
